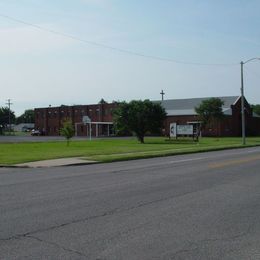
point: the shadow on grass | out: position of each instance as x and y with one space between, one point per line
172 141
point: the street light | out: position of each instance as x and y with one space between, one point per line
243 100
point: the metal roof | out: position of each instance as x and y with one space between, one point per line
180 107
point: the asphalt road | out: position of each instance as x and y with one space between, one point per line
200 206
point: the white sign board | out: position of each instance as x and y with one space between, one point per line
185 129
86 120
173 130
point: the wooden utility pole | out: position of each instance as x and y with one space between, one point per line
9 113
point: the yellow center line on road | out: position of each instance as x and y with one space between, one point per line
233 162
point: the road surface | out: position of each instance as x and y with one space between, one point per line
200 206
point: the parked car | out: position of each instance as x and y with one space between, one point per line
35 132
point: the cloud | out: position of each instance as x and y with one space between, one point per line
20 40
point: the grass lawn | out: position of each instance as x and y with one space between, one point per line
106 150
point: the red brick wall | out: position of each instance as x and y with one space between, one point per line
49 120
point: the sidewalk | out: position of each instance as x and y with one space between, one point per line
56 163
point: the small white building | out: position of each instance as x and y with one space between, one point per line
23 127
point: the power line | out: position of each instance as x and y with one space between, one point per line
97 44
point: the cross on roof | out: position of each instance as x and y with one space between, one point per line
162 93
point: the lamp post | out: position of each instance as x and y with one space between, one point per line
243 100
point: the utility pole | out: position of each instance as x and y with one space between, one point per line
243 127
162 93
243 105
9 113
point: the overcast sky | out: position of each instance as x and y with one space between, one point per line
39 68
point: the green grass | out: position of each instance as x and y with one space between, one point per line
107 150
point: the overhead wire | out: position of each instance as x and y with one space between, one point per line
101 45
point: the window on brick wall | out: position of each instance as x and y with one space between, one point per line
97 111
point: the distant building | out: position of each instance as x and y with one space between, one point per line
23 127
49 120
181 111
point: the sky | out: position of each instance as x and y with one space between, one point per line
198 44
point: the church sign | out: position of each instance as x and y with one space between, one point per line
176 130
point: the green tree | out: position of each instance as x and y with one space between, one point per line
102 101
139 117
256 109
67 130
4 118
209 111
26 117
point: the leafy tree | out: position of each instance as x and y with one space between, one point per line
67 130
256 109
4 116
210 110
102 101
139 117
26 117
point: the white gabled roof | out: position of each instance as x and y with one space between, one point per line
181 107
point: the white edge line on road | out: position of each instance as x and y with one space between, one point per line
210 157
188 160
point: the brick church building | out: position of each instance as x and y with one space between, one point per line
181 111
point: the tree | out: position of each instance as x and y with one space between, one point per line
139 117
4 117
67 130
26 117
102 101
256 109
210 110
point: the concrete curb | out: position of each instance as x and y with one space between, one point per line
52 163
